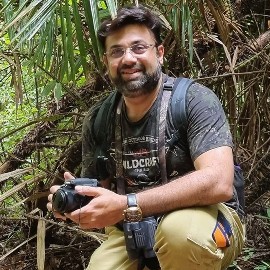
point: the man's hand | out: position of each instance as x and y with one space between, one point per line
105 209
53 189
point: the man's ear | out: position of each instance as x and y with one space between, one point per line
160 53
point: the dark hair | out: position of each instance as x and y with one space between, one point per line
131 15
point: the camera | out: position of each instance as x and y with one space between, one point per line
66 199
140 237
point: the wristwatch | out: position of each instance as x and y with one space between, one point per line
133 213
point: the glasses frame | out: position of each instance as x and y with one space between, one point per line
129 49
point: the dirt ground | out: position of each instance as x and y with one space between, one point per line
67 248
64 248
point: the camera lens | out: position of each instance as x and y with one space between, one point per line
66 199
59 201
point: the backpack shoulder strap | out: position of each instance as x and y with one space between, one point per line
100 127
178 88
178 102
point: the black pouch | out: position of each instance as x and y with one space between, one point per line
239 184
238 200
152 263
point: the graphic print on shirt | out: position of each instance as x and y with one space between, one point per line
140 160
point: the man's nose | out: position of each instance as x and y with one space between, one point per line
129 56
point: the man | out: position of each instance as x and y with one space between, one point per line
193 220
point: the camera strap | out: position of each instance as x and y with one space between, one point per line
166 94
118 150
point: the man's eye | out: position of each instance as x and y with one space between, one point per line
117 52
139 48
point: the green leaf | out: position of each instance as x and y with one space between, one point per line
80 37
58 91
64 64
48 88
268 212
92 19
69 44
50 42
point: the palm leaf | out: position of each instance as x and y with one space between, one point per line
13 18
222 25
112 6
178 14
91 16
35 22
69 43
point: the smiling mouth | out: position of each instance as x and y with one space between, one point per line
130 72
131 75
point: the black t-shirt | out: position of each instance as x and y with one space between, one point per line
207 129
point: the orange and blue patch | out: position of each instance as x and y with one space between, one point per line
222 231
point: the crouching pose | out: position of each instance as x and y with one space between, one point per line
165 192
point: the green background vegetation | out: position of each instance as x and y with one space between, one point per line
51 73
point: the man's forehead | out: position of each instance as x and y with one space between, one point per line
130 34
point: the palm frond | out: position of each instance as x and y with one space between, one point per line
59 35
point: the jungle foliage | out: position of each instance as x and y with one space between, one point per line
51 73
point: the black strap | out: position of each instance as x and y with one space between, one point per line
181 86
118 150
102 119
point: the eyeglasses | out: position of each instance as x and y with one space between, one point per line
136 50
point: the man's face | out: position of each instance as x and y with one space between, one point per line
133 60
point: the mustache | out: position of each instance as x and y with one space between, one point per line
134 66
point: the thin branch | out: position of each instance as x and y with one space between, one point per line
100 237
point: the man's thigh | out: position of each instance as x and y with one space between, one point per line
112 254
184 239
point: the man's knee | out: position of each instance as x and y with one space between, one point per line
173 230
186 236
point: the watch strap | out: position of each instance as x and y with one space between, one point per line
131 200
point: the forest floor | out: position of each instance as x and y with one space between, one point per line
66 247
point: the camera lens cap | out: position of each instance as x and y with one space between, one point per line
59 201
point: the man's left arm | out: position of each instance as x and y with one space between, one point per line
210 145
210 183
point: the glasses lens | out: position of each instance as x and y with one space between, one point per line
135 49
117 52
139 48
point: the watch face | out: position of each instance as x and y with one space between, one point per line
133 214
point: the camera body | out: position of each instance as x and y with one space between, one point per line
66 199
140 238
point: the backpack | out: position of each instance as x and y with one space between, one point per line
178 103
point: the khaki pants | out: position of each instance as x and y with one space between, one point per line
183 242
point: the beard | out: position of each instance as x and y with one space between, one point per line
144 84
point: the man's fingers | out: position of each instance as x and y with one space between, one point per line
49 206
56 214
53 189
89 191
68 176
50 197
